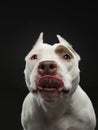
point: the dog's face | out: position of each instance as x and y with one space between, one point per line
52 70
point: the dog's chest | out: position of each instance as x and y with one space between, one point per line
61 124
58 123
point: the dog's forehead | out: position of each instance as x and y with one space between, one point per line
39 49
48 49
52 47
44 47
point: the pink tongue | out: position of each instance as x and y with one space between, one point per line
50 82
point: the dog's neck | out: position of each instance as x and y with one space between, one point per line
54 109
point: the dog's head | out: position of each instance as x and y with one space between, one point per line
52 71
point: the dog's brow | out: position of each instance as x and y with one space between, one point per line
62 49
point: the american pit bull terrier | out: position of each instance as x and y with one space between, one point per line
55 101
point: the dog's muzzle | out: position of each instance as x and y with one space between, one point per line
50 83
47 68
49 86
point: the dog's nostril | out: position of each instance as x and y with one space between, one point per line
47 67
52 66
42 67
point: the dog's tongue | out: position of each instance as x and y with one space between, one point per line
50 83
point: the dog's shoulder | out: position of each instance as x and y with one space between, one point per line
28 101
81 101
27 105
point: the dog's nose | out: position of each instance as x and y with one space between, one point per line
47 68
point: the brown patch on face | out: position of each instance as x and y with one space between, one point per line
62 50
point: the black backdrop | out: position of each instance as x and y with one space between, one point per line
19 29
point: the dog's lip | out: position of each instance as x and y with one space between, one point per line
50 83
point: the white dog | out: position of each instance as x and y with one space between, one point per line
56 101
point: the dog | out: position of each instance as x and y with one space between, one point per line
55 100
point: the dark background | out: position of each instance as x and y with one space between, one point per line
20 28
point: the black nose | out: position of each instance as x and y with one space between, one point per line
47 68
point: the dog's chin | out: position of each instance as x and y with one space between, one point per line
51 88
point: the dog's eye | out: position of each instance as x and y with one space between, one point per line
33 57
67 57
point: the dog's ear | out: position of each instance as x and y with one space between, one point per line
37 44
75 53
39 40
64 42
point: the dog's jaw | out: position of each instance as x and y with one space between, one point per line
49 82
51 88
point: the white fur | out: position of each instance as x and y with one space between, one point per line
72 112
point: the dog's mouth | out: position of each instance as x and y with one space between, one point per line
49 87
49 83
